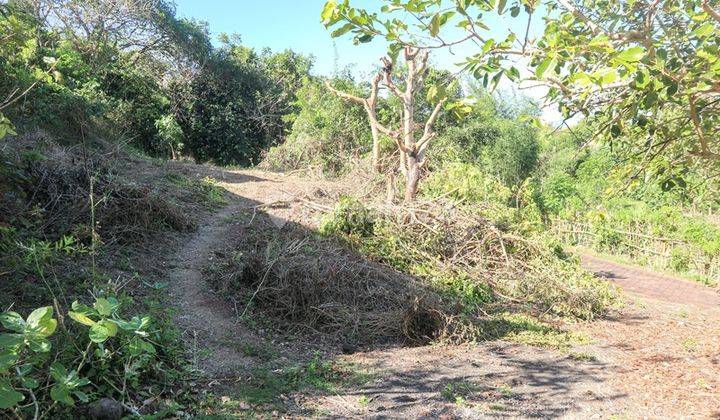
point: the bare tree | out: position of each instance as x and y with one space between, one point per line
411 145
370 105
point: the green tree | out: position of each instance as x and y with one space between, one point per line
648 70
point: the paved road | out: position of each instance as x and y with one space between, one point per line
648 284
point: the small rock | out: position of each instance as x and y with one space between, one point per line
348 348
404 398
106 409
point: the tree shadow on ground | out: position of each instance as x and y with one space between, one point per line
506 379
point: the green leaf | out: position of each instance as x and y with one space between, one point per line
704 30
631 55
7 360
139 346
548 64
41 322
39 345
11 341
328 11
501 6
81 318
12 321
435 25
81 396
30 383
99 333
110 326
61 393
9 397
58 372
103 306
342 30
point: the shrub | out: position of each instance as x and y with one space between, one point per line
326 133
33 358
350 218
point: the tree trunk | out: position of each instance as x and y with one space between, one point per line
412 178
376 143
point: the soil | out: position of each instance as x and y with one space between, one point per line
657 357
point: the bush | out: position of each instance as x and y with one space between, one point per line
506 149
350 218
33 358
326 133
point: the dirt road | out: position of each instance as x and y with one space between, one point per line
658 357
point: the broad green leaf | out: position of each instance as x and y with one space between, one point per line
631 55
139 346
342 30
39 344
110 326
435 25
7 359
103 306
61 393
30 383
81 396
9 397
81 318
328 11
41 322
11 341
548 64
99 333
58 372
12 321
704 30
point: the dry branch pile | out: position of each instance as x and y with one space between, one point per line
319 285
456 241
392 281
58 190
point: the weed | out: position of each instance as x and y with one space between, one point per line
690 345
525 329
458 390
266 385
207 189
505 390
582 357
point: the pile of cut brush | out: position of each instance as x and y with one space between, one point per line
318 285
457 241
60 191
376 275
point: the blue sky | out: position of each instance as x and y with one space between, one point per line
295 24
281 24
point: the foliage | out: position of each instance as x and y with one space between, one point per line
506 149
647 70
350 218
27 360
327 132
234 106
473 263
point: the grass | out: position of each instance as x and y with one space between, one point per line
528 330
458 391
267 385
206 189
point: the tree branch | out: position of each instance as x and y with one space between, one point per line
709 10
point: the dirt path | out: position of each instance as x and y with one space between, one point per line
657 358
647 284
665 346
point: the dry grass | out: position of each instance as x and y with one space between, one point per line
319 285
